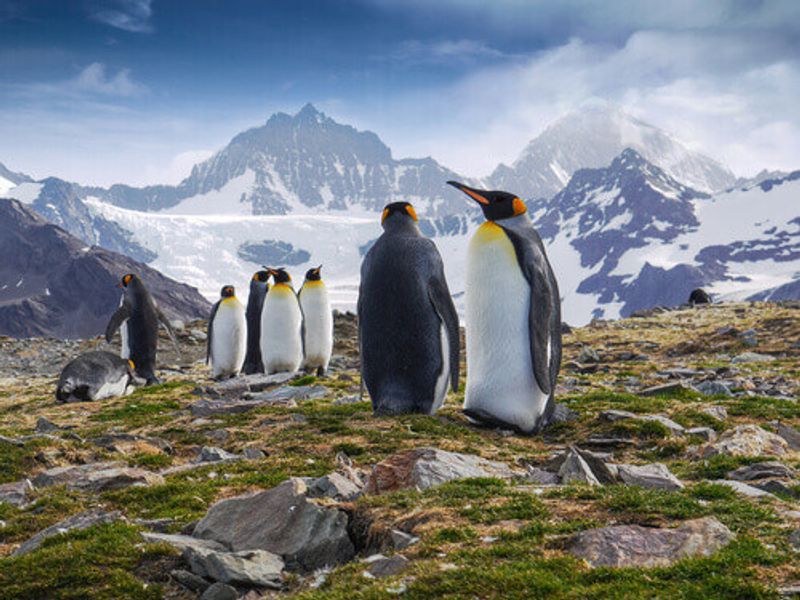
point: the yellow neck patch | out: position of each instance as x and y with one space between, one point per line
229 300
314 284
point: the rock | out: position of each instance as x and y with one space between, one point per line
335 485
761 470
289 393
776 486
716 412
77 522
653 476
562 414
382 566
247 383
220 591
713 388
743 489
423 468
11 441
157 525
253 454
746 440
45 425
97 477
616 415
575 469
128 443
255 568
752 357
541 477
283 521
16 492
706 433
189 580
207 408
400 540
788 433
636 546
667 389
213 454
588 355
673 427
181 542
794 539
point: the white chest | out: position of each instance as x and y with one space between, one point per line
229 338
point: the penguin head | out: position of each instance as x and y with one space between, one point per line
228 292
127 280
280 275
496 205
398 212
261 276
314 274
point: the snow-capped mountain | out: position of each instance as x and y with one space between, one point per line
591 138
10 180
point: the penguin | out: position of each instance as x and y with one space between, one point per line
513 318
317 322
407 323
282 349
699 296
138 317
227 335
95 376
259 286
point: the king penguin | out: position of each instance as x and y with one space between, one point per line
227 335
407 323
281 326
513 318
96 376
138 318
317 322
259 286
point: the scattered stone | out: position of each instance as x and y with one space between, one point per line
714 411
253 454
575 469
335 485
220 591
127 443
157 525
653 476
743 489
706 433
714 388
45 425
283 521
616 415
207 408
636 546
794 539
181 542
97 477
746 440
189 580
597 440
541 477
423 468
77 522
16 492
673 427
588 355
788 433
288 394
562 414
11 441
666 389
752 357
789 591
382 566
214 454
247 567
776 486
761 470
247 383
401 540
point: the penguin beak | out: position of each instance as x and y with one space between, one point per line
476 195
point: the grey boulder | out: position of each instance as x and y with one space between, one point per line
257 568
653 476
77 522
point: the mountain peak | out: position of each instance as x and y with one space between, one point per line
309 112
629 158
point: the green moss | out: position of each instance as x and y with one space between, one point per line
765 408
150 460
305 380
138 410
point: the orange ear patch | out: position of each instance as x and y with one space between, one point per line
412 213
519 206
384 214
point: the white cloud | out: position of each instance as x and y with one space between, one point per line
445 51
93 80
177 169
128 15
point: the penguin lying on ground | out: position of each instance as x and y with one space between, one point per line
227 335
317 322
95 376
281 326
513 318
407 324
138 318
259 286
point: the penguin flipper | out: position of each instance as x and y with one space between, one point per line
443 304
165 322
122 314
210 332
542 312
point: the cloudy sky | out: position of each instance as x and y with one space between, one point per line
136 91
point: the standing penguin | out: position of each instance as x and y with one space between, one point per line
317 322
138 317
282 349
513 318
407 324
259 286
226 335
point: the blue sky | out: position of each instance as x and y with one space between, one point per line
135 91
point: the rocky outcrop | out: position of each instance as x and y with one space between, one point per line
746 440
77 522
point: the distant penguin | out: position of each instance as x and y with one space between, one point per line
513 318
259 286
407 323
95 376
227 335
281 326
317 322
699 296
138 317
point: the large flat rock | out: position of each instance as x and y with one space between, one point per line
77 522
97 477
746 440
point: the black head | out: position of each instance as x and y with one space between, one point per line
402 210
261 276
228 292
496 205
280 275
314 274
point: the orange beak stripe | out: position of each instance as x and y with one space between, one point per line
475 196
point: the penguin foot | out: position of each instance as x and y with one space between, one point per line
321 371
482 418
